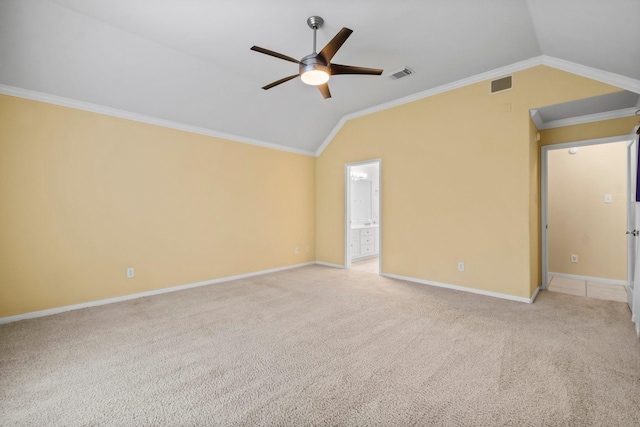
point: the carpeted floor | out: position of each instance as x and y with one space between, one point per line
322 346
370 265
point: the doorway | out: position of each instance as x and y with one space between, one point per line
586 197
363 216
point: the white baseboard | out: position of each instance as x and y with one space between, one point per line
535 294
465 289
58 310
589 279
326 264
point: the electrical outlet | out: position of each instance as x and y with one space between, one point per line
296 250
608 198
461 266
131 272
574 258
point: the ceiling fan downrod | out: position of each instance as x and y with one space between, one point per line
315 22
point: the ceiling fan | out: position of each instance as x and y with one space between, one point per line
316 68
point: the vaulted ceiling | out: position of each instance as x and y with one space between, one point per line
189 63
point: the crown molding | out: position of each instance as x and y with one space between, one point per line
597 117
122 114
535 117
498 72
627 83
613 79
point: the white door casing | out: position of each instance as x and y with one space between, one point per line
631 219
347 210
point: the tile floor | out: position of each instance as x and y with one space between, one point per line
587 289
370 265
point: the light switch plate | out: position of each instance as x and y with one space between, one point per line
608 198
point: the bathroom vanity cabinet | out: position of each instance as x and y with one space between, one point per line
365 241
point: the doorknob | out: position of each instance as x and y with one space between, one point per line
634 232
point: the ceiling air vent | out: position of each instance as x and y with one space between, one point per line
400 73
499 85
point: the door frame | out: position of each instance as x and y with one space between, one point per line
632 223
347 210
544 171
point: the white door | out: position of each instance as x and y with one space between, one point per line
633 294
631 220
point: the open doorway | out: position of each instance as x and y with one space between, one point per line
585 202
363 216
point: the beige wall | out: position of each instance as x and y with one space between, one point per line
601 129
458 182
83 196
579 220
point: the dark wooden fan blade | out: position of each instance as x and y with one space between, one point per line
348 69
324 90
336 42
276 83
272 53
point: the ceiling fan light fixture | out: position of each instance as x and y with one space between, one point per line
313 71
315 77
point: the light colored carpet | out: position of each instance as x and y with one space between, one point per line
370 265
322 346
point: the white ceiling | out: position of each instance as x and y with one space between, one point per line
189 61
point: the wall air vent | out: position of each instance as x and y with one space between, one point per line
400 73
499 85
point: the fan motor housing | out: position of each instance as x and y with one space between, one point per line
313 62
314 70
